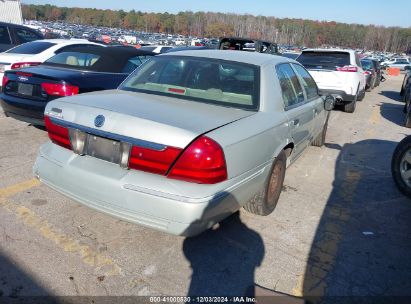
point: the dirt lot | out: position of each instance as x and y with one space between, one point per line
340 228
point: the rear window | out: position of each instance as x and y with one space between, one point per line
220 82
4 35
366 64
31 48
74 59
324 60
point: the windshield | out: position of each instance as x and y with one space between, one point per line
324 60
205 80
367 64
31 48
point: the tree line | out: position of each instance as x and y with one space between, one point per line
287 31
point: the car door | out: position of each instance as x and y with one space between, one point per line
313 97
299 112
5 39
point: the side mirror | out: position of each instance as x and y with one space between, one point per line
329 102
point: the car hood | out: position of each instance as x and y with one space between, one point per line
158 119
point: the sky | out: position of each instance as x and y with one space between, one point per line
378 12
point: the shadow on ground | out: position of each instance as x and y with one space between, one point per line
224 260
394 95
393 112
362 246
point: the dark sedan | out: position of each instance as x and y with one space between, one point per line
73 71
370 74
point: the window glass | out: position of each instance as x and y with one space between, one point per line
4 35
308 82
324 60
134 63
290 86
24 35
75 59
31 48
221 82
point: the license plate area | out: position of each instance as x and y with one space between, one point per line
25 89
103 148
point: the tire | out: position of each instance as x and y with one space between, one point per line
350 107
272 189
319 141
361 95
399 166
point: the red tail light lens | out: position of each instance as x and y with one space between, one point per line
367 72
59 89
20 65
347 68
4 81
58 134
152 160
202 162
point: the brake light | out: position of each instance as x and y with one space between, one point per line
152 160
57 134
59 89
4 81
367 72
347 68
202 162
20 65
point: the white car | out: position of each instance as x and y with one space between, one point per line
180 41
158 49
34 53
400 63
337 72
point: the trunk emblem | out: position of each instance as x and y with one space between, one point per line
22 78
99 121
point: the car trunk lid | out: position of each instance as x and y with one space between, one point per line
149 118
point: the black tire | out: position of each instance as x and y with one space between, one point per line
319 141
272 190
361 95
350 107
396 165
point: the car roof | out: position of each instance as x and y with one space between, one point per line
15 25
254 58
64 41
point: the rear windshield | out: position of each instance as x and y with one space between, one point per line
367 64
31 48
324 60
220 82
74 59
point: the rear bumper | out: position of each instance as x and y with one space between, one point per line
340 96
150 200
27 110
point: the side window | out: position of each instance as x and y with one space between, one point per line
24 35
4 35
290 86
309 84
134 63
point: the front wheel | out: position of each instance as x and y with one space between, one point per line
401 166
272 190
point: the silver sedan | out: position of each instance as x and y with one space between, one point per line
188 139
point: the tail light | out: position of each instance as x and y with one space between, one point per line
347 68
4 81
59 89
57 134
367 73
202 162
20 65
152 160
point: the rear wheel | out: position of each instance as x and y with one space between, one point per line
272 189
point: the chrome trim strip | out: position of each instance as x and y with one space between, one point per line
92 131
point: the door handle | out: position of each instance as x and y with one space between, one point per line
296 122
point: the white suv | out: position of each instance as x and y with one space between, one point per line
337 72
